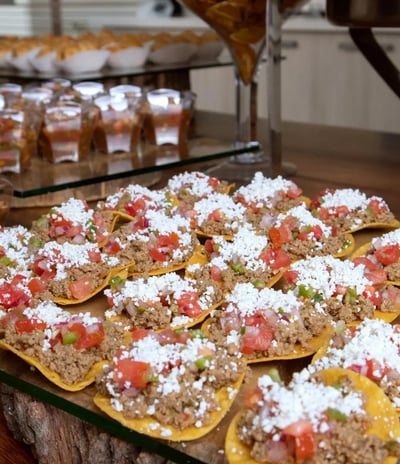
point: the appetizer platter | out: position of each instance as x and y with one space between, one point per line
181 313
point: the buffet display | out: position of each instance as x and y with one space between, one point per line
166 309
91 52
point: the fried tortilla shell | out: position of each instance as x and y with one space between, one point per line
53 376
151 427
385 422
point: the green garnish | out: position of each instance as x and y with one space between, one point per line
337 415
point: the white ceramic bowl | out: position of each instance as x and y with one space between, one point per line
209 50
45 63
5 60
23 62
130 57
173 53
85 61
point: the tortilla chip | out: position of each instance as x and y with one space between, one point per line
53 376
151 427
349 249
385 423
123 273
377 225
200 233
300 351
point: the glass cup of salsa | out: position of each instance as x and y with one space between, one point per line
14 147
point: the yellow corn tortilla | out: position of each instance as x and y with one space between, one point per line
53 376
376 225
348 250
151 427
385 423
121 272
299 352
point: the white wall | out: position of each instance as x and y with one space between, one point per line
33 17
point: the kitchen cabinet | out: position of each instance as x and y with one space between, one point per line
325 80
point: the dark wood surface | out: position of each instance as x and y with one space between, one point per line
324 157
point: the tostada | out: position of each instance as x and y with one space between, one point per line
330 416
174 385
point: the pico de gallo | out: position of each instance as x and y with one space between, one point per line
351 210
341 289
381 257
72 221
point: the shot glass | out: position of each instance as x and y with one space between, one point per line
118 124
6 194
61 134
167 122
14 147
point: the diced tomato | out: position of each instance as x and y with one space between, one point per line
290 277
377 206
36 286
253 398
276 258
134 206
255 339
157 255
82 287
217 216
376 277
368 263
372 294
294 192
209 245
112 247
139 334
391 293
11 296
304 439
216 273
280 235
26 325
93 336
135 373
213 182
168 241
188 304
94 256
388 254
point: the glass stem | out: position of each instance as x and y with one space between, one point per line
274 36
246 119
243 113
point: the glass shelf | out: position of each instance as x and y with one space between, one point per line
110 73
44 177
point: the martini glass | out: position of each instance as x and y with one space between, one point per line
243 26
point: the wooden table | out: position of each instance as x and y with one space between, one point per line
324 156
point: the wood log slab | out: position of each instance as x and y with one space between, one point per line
55 436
